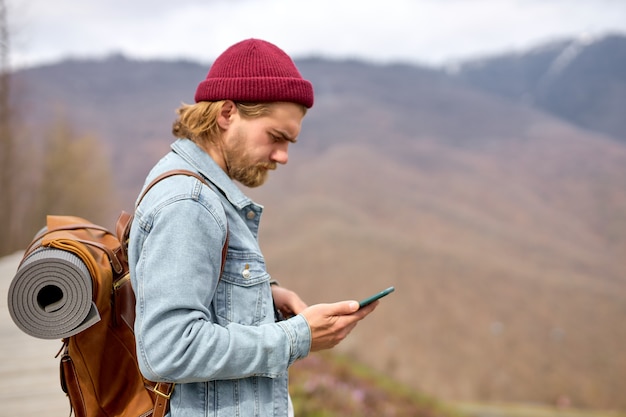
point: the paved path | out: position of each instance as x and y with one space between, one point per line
29 372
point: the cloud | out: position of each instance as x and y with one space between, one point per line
428 31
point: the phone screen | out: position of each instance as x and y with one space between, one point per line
370 300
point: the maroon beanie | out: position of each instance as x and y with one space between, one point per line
255 71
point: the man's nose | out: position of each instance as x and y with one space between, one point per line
280 154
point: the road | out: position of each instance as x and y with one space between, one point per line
29 372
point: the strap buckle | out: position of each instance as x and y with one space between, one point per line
165 392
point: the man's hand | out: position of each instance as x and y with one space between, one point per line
331 323
287 301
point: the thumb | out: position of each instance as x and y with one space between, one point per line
343 308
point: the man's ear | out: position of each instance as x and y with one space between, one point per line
227 111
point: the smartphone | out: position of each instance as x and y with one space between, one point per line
370 300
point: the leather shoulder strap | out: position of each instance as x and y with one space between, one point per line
169 174
125 219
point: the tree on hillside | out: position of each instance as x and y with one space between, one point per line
75 178
69 174
66 174
7 145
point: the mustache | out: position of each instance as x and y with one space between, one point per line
267 165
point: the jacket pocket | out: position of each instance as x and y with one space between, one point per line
243 294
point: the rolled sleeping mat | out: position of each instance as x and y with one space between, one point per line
50 296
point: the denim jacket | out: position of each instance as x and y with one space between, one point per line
216 338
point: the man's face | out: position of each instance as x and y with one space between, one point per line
254 146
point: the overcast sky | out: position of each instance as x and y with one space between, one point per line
431 32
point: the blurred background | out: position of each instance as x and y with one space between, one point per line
470 153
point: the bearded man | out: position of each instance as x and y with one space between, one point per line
224 332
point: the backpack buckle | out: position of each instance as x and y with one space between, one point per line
165 392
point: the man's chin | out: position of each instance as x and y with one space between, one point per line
257 181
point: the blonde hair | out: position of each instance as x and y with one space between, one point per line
198 122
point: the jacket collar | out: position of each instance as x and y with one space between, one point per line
205 165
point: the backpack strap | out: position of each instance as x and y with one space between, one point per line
169 174
122 228
163 391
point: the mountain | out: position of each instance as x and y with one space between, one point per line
501 225
129 104
580 80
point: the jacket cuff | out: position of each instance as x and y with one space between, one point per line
299 335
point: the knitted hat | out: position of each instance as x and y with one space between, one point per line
255 71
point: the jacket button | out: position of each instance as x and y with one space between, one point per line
246 273
251 215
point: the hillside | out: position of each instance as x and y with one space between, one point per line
502 227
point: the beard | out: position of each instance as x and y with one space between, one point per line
241 167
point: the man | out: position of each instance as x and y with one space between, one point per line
215 335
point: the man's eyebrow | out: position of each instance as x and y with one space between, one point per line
285 136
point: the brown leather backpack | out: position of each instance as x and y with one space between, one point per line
99 370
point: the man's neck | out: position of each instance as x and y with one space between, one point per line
214 151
